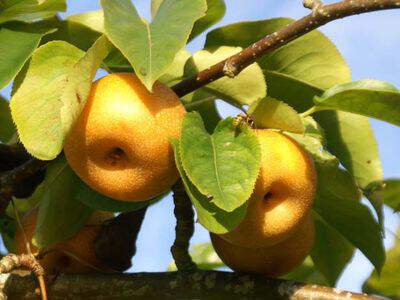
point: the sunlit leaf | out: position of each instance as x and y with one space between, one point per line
245 88
371 98
151 47
223 166
215 12
92 19
271 113
30 10
313 140
17 43
53 93
209 215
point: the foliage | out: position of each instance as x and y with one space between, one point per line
6 125
53 94
387 283
289 79
151 48
302 89
223 166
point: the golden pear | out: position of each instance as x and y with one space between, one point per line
74 255
120 143
283 195
272 261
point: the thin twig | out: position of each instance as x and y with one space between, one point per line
184 228
322 15
12 261
33 264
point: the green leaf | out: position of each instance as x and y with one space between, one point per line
391 193
223 166
387 283
350 138
80 80
307 273
29 10
73 33
271 113
204 256
175 71
369 98
92 19
53 94
331 252
61 215
151 48
215 12
337 203
297 72
7 128
97 201
7 230
17 43
310 59
204 103
245 88
209 215
313 140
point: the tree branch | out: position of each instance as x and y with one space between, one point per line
184 228
171 285
10 179
116 243
321 15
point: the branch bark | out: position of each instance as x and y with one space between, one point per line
170 285
321 15
184 228
20 173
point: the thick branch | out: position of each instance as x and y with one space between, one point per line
116 244
321 15
171 285
14 152
9 180
20 173
184 228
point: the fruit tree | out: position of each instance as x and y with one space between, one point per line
109 113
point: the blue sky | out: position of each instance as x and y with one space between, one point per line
370 45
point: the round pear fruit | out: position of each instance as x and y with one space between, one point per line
283 195
74 255
120 143
270 261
